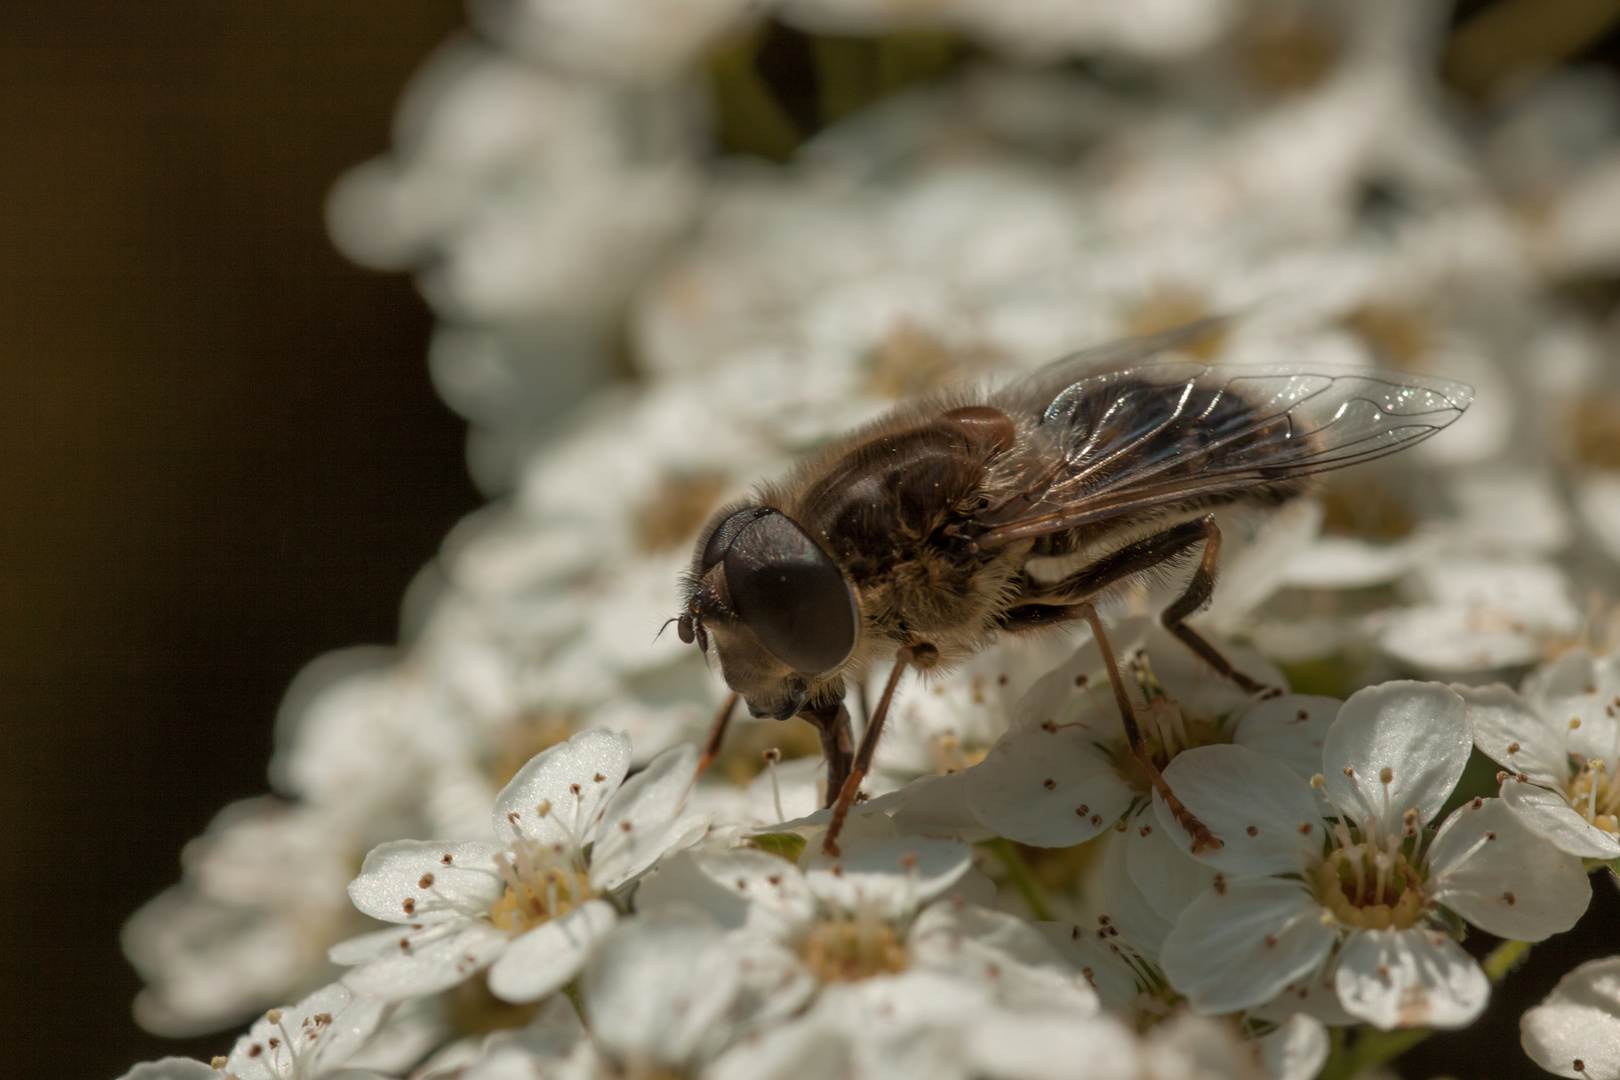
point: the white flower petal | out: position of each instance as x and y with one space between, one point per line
644 819
1057 697
1242 942
418 881
659 986
557 797
1418 731
890 878
1047 788
1549 815
1409 978
1509 732
1291 728
546 958
429 961
1492 870
1001 950
739 888
323 1030
1296 1050
1160 866
1097 955
1256 806
1578 1022
1014 1046
172 1068
1129 909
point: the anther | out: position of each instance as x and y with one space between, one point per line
624 826
1147 830
1048 783
1490 836
445 858
410 909
575 788
1305 828
1513 748
1348 771
426 882
1510 898
274 1016
1318 780
598 778
1502 775
1096 819
1477 803
544 808
1386 774
219 1061
772 756
1252 831
1220 884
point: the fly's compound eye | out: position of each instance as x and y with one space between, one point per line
791 594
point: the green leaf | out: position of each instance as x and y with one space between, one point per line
786 844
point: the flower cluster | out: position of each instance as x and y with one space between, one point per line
490 852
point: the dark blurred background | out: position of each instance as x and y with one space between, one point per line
220 454
219 451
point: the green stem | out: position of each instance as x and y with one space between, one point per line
572 990
1018 873
1372 1047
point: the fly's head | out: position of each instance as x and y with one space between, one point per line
777 612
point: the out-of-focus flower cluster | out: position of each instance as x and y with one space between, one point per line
489 854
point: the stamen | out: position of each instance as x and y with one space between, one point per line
772 756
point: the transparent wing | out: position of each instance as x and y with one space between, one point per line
1164 434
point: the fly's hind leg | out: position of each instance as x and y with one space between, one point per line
1196 596
1133 559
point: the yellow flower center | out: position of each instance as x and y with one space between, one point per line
1597 800
537 893
852 949
1365 886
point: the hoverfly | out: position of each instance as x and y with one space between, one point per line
912 537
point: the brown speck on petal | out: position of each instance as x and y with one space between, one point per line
1220 884
405 944
1271 942
1510 898
1048 783
837 869
409 905
1252 830
624 826
1513 748
598 778
445 858
426 882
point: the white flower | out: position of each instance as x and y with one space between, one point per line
312 1039
1296 894
535 904
1064 773
262 900
1575 1031
875 912
1558 742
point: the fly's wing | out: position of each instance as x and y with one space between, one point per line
1154 436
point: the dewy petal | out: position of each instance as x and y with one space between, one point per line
1578 1022
557 797
1409 978
644 819
1549 815
659 988
1132 915
1291 728
741 888
1047 788
418 881
1242 942
1296 1049
1509 732
428 961
890 878
1160 866
1263 812
546 958
1418 731
1488 867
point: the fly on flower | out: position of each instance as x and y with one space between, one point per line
916 537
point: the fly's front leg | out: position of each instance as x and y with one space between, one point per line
831 721
920 655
